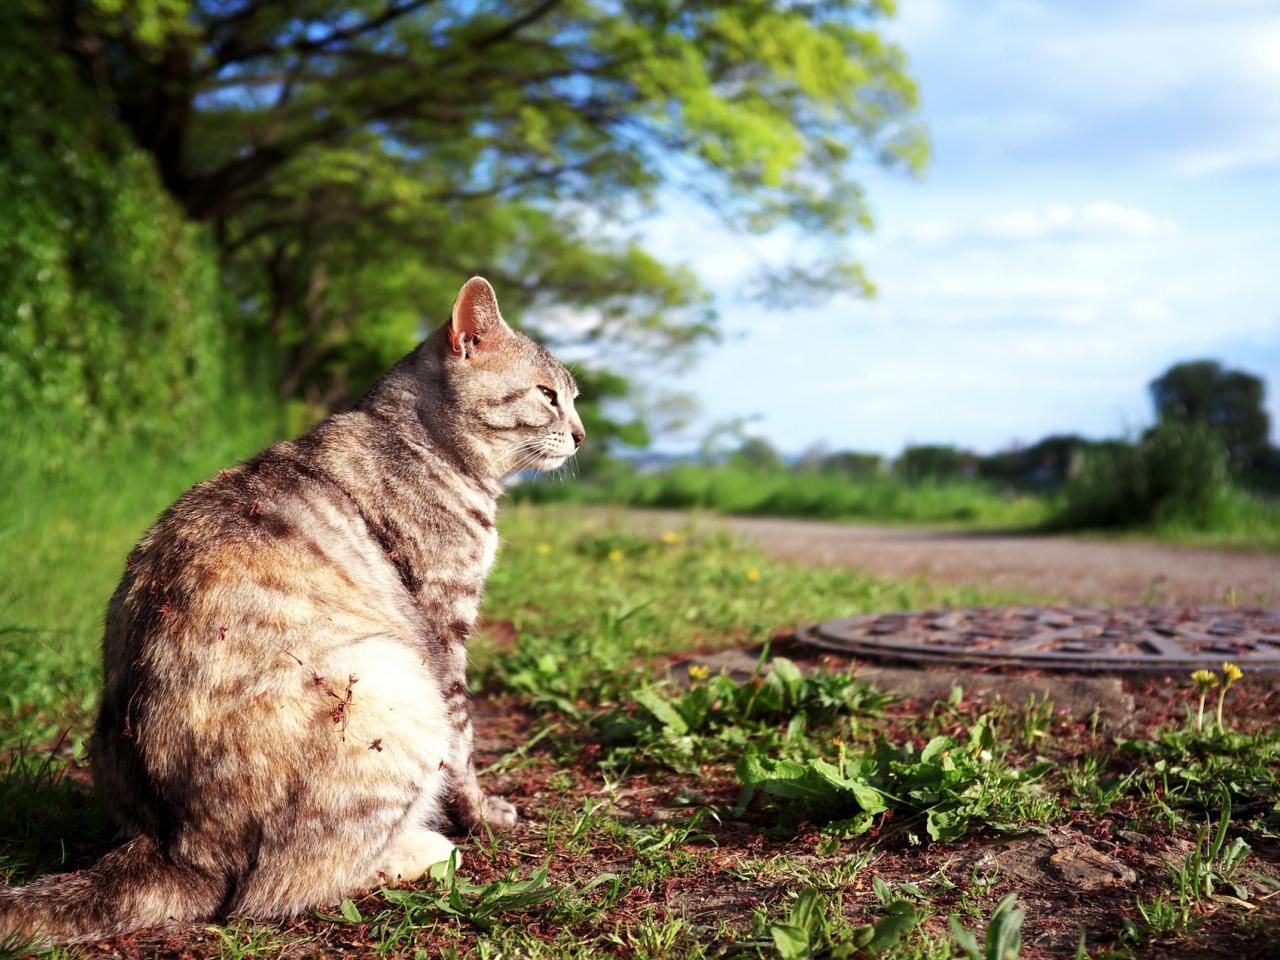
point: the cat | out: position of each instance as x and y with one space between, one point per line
284 717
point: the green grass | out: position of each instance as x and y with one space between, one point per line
1237 521
645 831
1230 518
763 492
65 529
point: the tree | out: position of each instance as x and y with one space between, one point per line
113 319
933 462
1045 465
855 465
758 453
356 159
1228 401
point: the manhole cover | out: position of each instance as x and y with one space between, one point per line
1120 639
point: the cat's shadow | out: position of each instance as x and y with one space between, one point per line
50 820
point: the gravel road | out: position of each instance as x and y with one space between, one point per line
1069 569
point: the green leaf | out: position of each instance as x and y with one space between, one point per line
663 710
790 941
1004 934
350 911
806 914
790 675
900 919
967 941
883 892
935 747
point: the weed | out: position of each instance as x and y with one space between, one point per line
1003 939
245 939
950 783
1194 884
476 904
1185 770
717 717
813 928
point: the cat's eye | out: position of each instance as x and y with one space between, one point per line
550 395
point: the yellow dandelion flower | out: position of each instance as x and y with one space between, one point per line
1205 678
544 549
670 536
615 555
753 575
699 671
1230 674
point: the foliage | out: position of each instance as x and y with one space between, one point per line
1192 768
950 782
477 904
1176 473
1230 403
1195 881
807 932
917 464
357 158
717 717
1003 939
754 492
1046 464
854 465
114 324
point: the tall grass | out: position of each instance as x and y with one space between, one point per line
764 492
66 525
1174 483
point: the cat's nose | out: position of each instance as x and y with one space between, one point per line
578 437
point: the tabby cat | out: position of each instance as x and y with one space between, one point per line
285 714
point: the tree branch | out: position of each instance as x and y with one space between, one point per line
228 54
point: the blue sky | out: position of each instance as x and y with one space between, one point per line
1103 200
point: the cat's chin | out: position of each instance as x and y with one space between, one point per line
552 462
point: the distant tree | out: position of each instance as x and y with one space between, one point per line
811 459
855 466
759 453
1045 464
1230 402
933 462
723 438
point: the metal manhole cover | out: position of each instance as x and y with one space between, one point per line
1120 639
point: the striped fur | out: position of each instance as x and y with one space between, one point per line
284 716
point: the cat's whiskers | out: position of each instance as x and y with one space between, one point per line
530 451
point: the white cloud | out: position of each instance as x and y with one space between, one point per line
1151 81
1049 222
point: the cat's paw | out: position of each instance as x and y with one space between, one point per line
414 854
499 814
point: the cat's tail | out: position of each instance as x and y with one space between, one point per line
132 887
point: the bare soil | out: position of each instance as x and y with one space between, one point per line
1068 569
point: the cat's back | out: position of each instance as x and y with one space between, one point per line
270 558
251 613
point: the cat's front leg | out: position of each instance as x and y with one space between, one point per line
470 806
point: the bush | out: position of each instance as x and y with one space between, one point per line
1178 473
933 462
113 324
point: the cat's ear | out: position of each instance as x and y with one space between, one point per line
475 316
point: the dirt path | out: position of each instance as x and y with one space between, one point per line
1063 568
